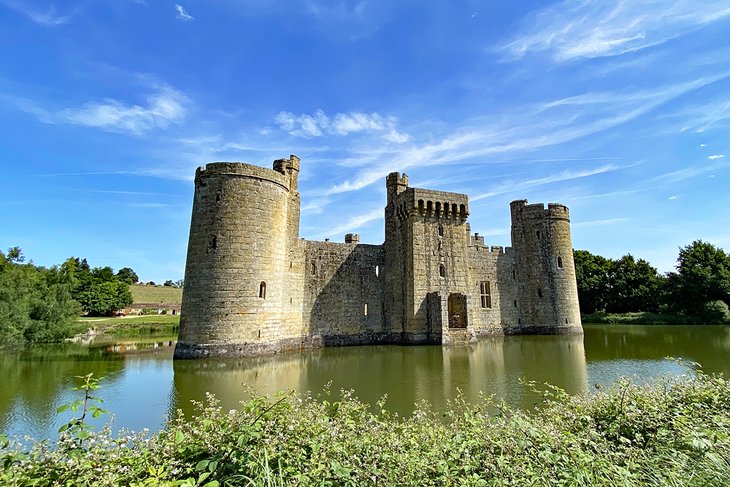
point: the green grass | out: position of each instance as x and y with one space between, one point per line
156 294
134 326
639 318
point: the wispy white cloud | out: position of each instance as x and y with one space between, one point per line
524 130
689 172
47 16
317 124
182 14
355 222
514 186
673 197
575 29
162 108
716 156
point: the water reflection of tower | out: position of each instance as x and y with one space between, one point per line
230 380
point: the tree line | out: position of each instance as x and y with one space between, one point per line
700 286
39 304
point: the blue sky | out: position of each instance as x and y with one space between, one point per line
619 109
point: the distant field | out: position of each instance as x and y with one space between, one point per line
156 294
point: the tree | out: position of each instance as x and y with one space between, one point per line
169 283
126 274
36 304
591 273
105 298
633 285
703 275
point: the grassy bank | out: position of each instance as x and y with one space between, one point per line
155 294
669 433
133 326
640 318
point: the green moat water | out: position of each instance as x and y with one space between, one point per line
143 385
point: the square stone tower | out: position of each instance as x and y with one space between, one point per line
427 264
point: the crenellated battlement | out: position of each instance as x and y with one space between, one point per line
428 203
537 210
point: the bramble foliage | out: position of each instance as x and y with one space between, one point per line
674 432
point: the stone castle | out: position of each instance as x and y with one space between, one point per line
252 286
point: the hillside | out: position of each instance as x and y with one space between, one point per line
156 294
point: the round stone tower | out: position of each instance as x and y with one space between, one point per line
547 290
237 255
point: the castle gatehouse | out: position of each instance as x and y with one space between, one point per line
252 286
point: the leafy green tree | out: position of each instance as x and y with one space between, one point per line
104 298
169 283
703 275
126 274
592 274
633 285
36 304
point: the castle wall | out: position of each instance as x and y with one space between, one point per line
252 286
499 310
344 292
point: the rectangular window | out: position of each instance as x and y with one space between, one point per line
485 294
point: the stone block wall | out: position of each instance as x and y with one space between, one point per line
344 295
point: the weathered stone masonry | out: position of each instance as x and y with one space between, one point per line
252 286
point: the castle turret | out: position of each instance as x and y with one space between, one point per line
245 218
548 294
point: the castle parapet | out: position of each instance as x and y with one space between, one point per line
555 211
240 169
432 204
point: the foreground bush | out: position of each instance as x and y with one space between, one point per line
674 432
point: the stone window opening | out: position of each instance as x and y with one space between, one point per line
485 294
538 234
218 196
377 271
262 290
212 243
539 293
560 262
314 268
365 310
519 321
515 303
441 231
442 270
514 274
566 321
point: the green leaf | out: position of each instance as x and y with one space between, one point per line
179 437
212 483
202 465
63 408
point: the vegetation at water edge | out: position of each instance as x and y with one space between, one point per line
673 432
135 326
629 290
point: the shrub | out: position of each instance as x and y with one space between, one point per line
715 312
675 432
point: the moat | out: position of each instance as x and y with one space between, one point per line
143 385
